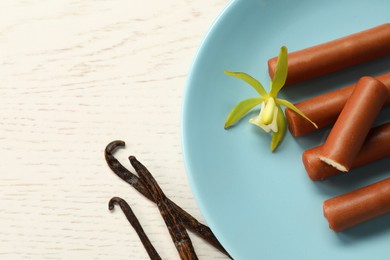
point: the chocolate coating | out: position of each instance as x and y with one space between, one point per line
336 55
355 207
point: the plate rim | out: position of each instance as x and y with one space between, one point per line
184 146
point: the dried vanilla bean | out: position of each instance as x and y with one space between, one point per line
174 223
189 221
122 172
136 225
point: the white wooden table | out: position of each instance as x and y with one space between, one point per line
75 75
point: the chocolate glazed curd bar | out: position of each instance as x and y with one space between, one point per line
336 55
355 121
358 206
375 147
324 109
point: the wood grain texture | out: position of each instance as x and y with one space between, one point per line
75 75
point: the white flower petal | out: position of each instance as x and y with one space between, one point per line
259 122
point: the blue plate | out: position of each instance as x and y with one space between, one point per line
262 205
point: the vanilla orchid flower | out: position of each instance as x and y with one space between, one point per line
271 117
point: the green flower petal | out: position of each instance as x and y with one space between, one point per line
241 109
250 80
280 75
277 137
288 104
